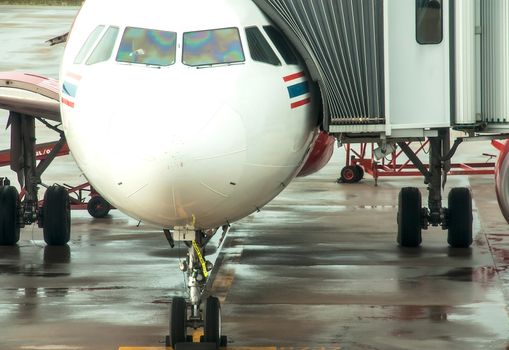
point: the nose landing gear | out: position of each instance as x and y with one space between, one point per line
194 313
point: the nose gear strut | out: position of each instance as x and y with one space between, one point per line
196 312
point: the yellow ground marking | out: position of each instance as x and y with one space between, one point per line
228 348
142 348
223 282
240 347
197 334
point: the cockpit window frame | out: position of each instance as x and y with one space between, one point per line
214 63
150 63
110 46
285 49
90 44
259 47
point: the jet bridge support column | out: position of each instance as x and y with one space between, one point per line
436 215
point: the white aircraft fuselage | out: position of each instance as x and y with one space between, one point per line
173 118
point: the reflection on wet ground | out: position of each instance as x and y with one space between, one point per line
317 269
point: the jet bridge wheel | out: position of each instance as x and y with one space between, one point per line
409 217
56 216
98 207
460 218
178 319
9 221
212 322
351 174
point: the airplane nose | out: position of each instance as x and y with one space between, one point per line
183 153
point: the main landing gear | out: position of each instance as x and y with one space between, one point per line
54 217
413 218
17 210
195 312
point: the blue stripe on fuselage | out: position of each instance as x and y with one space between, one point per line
69 89
298 89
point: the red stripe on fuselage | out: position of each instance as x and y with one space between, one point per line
67 102
300 103
293 76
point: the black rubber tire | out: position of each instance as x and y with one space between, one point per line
359 173
56 216
224 341
409 217
98 207
212 321
9 221
459 234
178 319
349 174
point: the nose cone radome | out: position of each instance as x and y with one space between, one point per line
175 163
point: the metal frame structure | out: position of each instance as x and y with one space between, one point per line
395 165
44 153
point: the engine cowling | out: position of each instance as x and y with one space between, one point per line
320 154
502 177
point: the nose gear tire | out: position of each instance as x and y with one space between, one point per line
212 321
178 319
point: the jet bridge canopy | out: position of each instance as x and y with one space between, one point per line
403 67
342 45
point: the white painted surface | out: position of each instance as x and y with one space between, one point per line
178 145
466 82
418 75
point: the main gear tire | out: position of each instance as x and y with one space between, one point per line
409 217
56 216
460 218
9 216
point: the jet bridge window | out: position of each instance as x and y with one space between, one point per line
147 46
282 45
89 43
259 47
429 21
210 47
104 49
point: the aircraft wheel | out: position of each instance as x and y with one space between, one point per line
9 221
56 216
409 217
178 319
360 172
212 321
98 207
460 218
350 174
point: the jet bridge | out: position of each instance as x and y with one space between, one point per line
399 68
392 71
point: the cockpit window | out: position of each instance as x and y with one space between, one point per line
92 38
103 50
259 47
147 46
282 45
209 47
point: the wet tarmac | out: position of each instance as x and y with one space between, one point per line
318 268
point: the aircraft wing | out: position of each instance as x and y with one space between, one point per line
30 94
